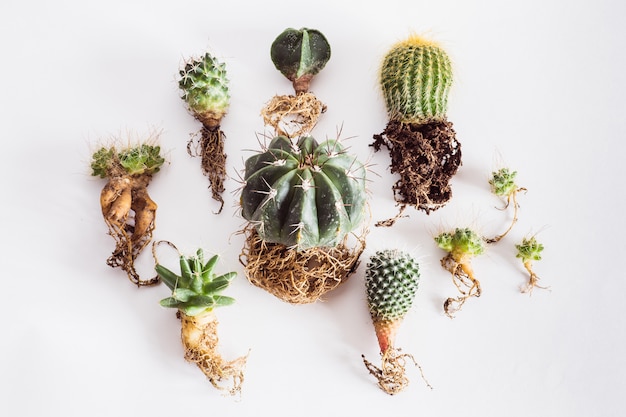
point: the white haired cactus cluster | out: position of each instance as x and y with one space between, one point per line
304 194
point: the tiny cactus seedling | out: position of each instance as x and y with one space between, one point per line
128 210
529 250
299 54
503 185
415 79
196 292
205 89
304 195
391 281
461 245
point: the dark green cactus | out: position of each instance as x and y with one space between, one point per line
204 88
304 195
197 289
415 77
391 280
299 55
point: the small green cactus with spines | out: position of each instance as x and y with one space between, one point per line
463 241
503 182
197 289
416 76
529 250
391 280
142 159
299 54
204 87
304 195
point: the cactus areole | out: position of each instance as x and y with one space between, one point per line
304 195
299 54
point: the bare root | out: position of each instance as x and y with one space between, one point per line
391 375
465 282
532 280
297 277
210 148
129 214
293 116
512 198
200 341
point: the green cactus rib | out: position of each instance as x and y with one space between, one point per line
304 196
415 79
391 280
197 288
141 159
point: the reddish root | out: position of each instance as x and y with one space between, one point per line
465 282
210 147
391 375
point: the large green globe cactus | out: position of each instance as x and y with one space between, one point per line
304 195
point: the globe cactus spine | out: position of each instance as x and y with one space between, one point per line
205 88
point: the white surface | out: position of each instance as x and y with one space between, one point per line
539 85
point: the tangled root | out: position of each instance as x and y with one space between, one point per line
210 147
426 157
129 214
293 116
391 375
200 340
298 277
464 280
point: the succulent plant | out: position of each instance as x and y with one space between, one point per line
304 195
503 182
464 242
529 250
205 89
142 159
415 76
197 289
299 54
391 280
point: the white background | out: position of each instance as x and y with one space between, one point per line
539 88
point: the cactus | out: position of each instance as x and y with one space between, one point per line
415 78
391 280
529 250
299 55
304 195
503 184
195 294
205 89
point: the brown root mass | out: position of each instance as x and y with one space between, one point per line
200 341
391 375
426 157
129 214
464 280
210 148
298 277
293 116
